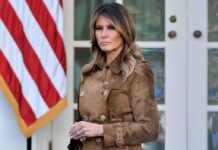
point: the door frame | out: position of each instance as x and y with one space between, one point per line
176 76
198 107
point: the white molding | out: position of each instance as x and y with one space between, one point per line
142 44
161 107
212 108
213 45
81 44
119 1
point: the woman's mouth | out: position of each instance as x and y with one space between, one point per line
105 43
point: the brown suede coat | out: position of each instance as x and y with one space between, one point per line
127 110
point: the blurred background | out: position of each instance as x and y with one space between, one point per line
179 39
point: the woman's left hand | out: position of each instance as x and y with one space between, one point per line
83 129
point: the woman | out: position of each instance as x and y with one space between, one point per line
116 104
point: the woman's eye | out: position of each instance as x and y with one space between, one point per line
98 28
111 28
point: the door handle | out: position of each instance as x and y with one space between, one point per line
172 34
197 33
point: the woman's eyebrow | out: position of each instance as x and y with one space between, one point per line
106 25
98 25
110 25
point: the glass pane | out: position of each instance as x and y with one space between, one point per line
213 76
212 20
213 131
149 18
83 10
82 57
160 142
156 59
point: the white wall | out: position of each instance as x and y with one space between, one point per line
10 135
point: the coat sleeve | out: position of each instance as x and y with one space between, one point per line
145 127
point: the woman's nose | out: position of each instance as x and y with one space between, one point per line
104 33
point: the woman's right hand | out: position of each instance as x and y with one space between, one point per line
83 129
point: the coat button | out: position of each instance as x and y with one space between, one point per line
105 93
98 140
82 93
106 82
106 85
84 118
102 118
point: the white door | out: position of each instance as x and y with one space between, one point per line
203 74
162 36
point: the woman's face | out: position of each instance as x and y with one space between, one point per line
109 40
